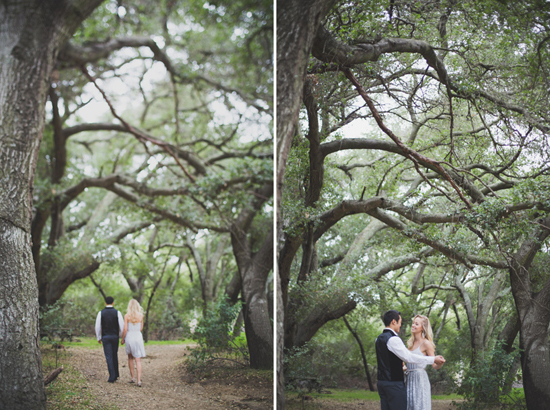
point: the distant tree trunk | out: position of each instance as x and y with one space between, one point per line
150 300
478 323
31 34
363 355
207 270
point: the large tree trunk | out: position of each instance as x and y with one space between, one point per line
534 318
535 357
31 32
21 380
254 270
297 25
280 343
257 322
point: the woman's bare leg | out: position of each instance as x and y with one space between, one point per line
138 365
131 365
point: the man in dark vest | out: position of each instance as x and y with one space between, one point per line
108 329
390 355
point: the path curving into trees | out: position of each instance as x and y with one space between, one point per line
164 385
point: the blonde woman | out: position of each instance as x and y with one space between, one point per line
131 335
419 395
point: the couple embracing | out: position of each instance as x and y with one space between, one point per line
391 353
110 326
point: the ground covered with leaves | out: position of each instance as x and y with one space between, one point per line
167 384
348 399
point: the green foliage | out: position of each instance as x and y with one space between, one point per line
333 358
214 328
54 321
216 338
486 383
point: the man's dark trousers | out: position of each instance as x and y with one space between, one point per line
110 348
393 395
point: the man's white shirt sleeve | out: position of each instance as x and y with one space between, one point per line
98 327
120 324
397 347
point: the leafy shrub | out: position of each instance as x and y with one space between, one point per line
485 384
215 337
53 323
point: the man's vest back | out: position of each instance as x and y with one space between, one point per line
109 322
390 367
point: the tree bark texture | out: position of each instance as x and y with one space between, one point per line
259 332
280 343
299 332
297 24
534 318
254 270
31 33
21 380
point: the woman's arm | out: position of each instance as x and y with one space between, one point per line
125 328
430 351
141 323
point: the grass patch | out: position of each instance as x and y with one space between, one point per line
91 342
517 394
69 391
170 342
348 395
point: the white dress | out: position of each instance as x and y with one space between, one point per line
419 392
134 340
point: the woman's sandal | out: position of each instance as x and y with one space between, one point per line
132 381
138 384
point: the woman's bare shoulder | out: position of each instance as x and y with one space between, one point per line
428 345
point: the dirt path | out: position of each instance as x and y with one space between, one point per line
163 383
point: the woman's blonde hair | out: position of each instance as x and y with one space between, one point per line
426 331
135 312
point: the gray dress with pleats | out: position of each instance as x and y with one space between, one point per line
419 392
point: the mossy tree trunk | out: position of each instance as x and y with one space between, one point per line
31 33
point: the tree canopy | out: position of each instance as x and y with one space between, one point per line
417 174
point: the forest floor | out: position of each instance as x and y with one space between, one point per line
167 385
328 404
353 399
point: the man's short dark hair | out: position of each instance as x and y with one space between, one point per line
390 316
109 300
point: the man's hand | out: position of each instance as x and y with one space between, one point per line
439 360
122 342
99 341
